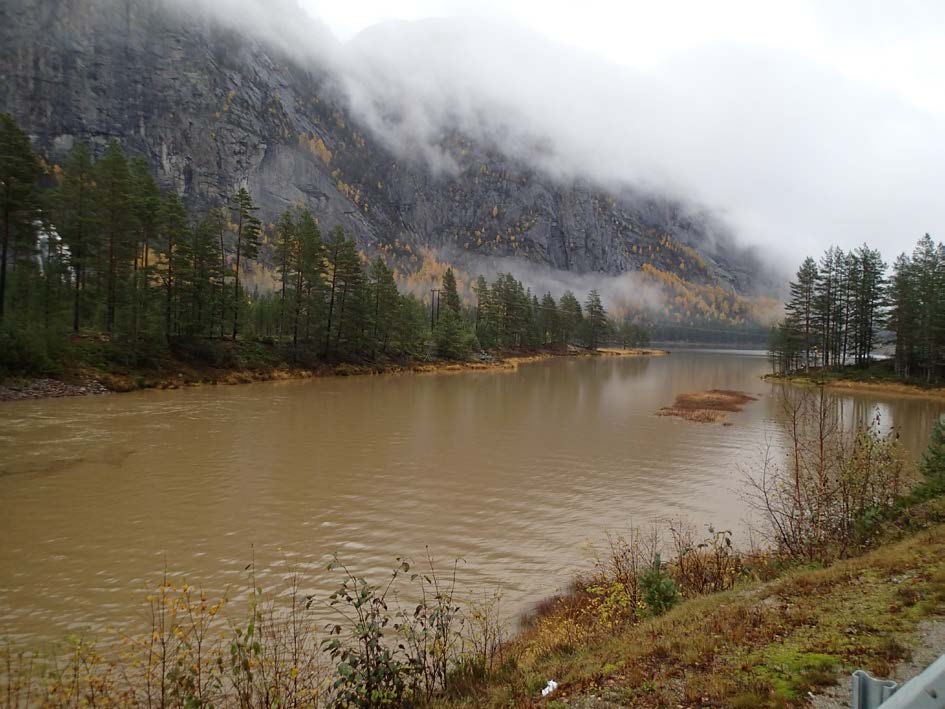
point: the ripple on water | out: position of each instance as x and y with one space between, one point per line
514 473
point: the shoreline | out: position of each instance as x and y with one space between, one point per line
98 383
840 383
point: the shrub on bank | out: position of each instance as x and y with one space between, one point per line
24 351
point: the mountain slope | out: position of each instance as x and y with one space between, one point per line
213 109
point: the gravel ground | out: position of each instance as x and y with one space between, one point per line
930 639
48 389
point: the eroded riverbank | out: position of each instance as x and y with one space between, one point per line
92 383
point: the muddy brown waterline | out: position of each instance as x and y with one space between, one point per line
514 472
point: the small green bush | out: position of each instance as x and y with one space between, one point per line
659 590
29 352
205 351
933 462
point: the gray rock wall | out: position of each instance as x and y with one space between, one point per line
213 110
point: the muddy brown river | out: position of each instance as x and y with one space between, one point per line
514 472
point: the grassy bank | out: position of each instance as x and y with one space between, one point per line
765 642
879 378
93 365
775 634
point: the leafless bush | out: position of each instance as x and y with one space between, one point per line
616 595
817 503
703 566
484 635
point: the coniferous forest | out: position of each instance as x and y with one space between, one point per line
846 307
100 266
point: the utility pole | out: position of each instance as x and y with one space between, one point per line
434 310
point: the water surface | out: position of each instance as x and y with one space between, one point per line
512 471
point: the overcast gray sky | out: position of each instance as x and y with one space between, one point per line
799 123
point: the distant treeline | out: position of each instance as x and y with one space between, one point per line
96 248
708 333
844 306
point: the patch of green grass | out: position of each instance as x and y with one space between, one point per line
793 672
881 372
760 645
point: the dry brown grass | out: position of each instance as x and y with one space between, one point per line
632 352
761 644
869 387
707 406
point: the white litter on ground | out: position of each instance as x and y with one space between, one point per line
549 688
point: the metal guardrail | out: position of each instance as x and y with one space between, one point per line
924 691
870 692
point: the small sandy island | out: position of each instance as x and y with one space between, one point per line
707 406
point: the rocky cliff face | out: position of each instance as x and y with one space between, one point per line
214 109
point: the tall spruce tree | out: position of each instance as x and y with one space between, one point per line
595 320
800 307
286 238
116 221
77 224
146 205
386 304
174 232
248 230
571 317
549 320
307 258
19 171
450 293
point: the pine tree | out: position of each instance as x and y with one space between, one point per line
247 239
198 276
902 318
571 317
595 320
116 221
346 292
483 308
386 303
869 300
286 236
146 205
549 321
451 339
173 234
307 257
19 171
77 223
333 267
928 285
825 304
450 293
800 307
510 304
